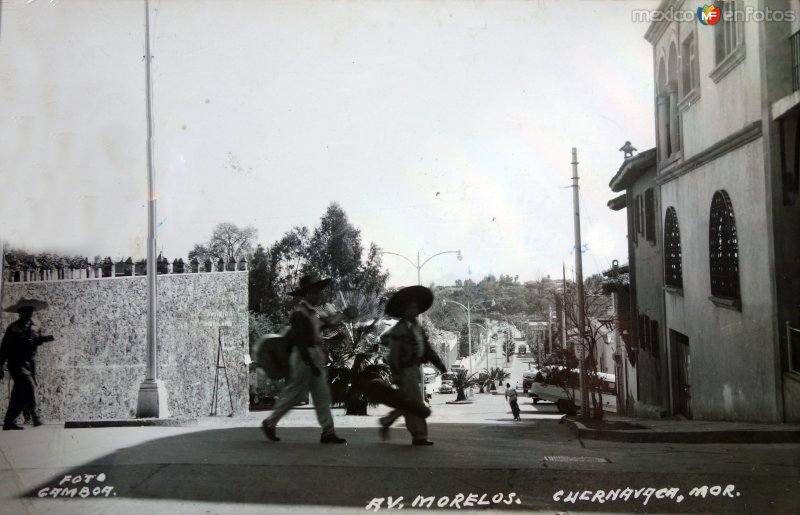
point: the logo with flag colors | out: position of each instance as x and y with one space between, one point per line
708 14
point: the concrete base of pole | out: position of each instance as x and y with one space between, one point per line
152 402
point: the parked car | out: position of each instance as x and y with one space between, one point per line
556 393
527 380
446 387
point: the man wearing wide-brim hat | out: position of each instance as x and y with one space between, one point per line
306 363
18 349
408 349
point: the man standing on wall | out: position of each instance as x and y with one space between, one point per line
306 363
409 348
18 349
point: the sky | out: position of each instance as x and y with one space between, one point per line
437 126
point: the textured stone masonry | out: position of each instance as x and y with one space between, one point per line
94 367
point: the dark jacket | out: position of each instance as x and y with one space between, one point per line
19 346
403 351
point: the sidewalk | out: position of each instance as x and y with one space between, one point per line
673 430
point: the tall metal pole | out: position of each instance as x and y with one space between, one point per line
469 334
564 306
550 326
487 347
152 400
579 284
152 293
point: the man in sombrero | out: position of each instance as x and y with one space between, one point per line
18 349
408 349
306 362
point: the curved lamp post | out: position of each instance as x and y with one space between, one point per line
419 265
487 343
468 310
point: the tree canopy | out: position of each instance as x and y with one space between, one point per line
228 242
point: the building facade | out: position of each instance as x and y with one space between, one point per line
648 388
726 182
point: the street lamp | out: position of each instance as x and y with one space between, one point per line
419 265
468 310
487 343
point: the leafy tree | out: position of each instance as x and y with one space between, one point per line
335 251
287 261
228 242
19 259
258 281
595 308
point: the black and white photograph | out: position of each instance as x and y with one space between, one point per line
358 256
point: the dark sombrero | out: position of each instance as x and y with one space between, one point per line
35 305
419 295
308 283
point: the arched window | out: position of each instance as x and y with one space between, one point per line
723 248
673 269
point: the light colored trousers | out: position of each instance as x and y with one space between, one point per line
301 382
407 381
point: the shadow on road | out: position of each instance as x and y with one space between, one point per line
238 465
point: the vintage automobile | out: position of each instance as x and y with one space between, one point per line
527 379
569 398
433 380
446 384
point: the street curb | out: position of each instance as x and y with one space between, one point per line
160 422
702 437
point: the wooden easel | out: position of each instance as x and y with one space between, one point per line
215 397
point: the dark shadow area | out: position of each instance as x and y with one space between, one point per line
237 465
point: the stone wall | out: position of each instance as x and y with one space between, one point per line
95 366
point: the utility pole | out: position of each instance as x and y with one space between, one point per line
579 285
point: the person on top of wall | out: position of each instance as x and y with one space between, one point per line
18 349
409 348
307 362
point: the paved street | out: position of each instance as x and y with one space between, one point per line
225 465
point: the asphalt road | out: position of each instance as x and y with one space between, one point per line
507 467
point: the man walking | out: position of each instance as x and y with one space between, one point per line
409 348
306 363
18 349
511 397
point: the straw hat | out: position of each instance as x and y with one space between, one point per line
419 295
36 305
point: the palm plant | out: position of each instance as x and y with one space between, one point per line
353 352
462 381
497 375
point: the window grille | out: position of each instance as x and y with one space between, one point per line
673 267
723 248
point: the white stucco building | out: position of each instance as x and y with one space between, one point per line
726 101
